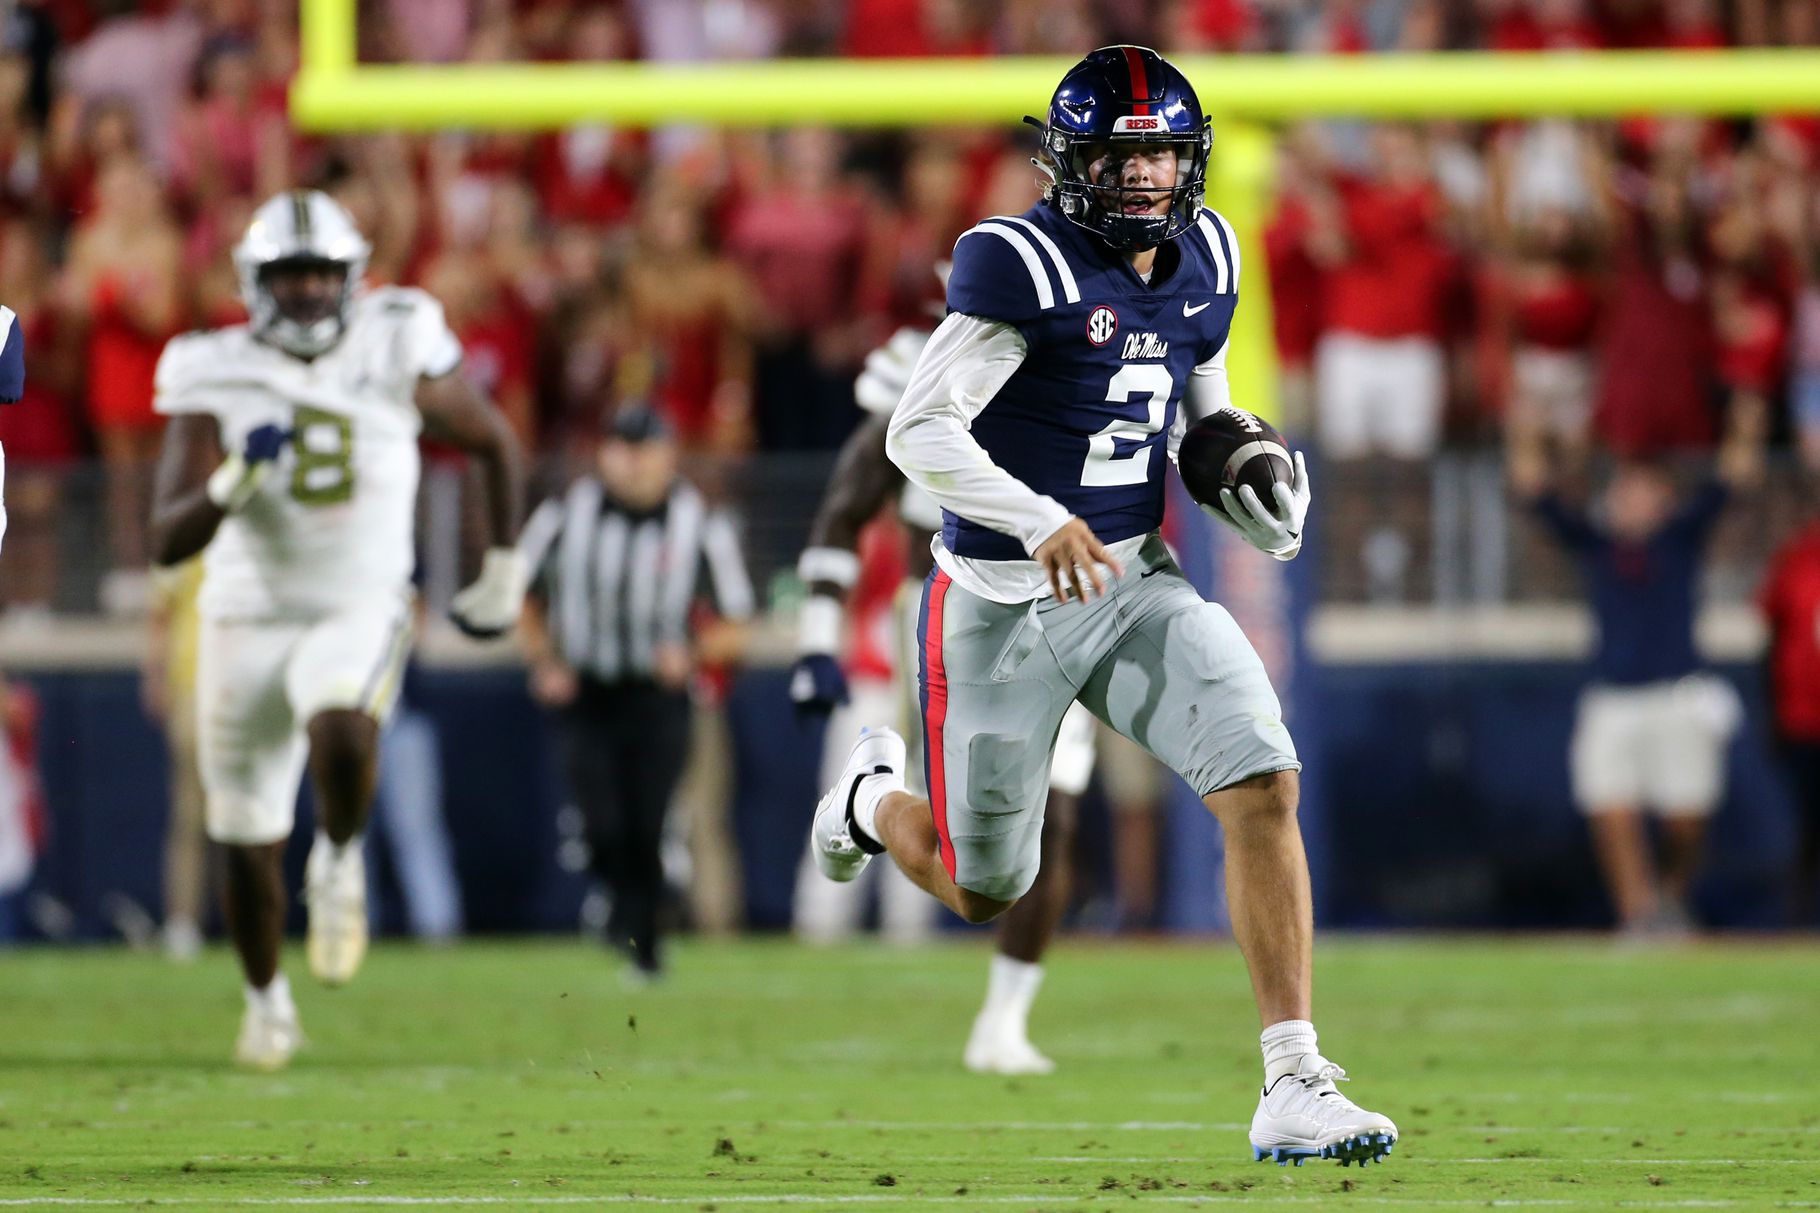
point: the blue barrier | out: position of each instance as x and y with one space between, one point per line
1439 800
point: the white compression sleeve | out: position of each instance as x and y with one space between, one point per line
1208 392
964 365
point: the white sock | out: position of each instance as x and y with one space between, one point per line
337 851
1285 1044
274 999
872 790
1011 987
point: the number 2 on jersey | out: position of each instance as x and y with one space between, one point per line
324 446
1105 467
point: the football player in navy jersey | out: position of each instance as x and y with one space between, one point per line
1038 417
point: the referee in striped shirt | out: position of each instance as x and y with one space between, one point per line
621 562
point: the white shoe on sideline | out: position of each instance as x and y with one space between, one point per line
336 892
998 1047
267 1039
1303 1115
182 940
877 752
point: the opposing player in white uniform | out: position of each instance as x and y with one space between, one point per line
291 457
863 480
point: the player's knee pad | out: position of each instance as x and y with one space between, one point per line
998 777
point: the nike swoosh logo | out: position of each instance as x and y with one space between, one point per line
1194 311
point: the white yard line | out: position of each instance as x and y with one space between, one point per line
1035 1198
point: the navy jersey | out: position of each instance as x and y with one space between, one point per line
1086 417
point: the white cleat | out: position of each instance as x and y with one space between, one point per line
267 1039
336 891
999 1048
1303 1115
877 752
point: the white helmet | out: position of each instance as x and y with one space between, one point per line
298 225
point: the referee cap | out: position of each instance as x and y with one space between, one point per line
636 423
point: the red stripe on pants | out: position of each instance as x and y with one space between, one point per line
935 715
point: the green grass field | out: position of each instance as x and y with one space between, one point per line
764 1075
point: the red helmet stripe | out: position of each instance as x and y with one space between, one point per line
1140 81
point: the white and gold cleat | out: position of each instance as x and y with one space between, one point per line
267 1038
335 889
996 1047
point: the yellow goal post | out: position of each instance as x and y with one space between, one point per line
334 92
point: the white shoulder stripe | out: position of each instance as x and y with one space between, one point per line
1045 294
1223 285
1232 242
1070 291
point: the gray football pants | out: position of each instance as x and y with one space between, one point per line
1151 658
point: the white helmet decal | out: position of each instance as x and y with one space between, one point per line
298 225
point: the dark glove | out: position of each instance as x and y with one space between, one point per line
817 685
264 443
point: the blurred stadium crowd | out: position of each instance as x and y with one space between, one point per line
1611 284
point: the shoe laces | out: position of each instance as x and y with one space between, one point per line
1325 1100
1327 1073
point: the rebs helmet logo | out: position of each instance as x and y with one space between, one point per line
1102 324
1135 122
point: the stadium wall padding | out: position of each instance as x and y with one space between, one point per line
1443 803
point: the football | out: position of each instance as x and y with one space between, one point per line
1230 448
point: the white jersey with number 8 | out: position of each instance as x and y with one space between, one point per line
333 522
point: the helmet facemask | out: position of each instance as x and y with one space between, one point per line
1099 201
293 325
300 240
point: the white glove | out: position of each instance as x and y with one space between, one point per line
1276 534
881 385
491 605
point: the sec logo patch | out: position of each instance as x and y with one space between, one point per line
1102 324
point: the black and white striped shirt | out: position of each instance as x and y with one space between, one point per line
619 583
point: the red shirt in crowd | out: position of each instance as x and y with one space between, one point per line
1753 342
1790 600
496 353
1655 363
1556 312
122 362
1395 279
581 176
1226 24
1518 28
688 369
802 250
1295 284
896 29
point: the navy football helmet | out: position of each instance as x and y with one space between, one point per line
1118 98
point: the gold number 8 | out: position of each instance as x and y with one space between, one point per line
324 446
